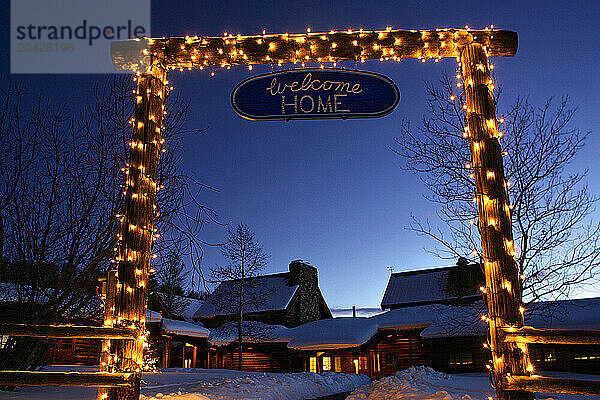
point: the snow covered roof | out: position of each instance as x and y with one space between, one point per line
152 316
274 293
436 320
440 321
427 286
335 333
339 333
191 306
251 331
184 328
360 312
453 321
565 314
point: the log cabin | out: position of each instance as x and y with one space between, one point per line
445 333
174 342
454 285
431 317
177 343
290 299
448 338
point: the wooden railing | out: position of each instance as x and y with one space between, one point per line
537 383
528 334
75 379
68 331
543 384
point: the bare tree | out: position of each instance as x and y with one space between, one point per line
557 245
60 196
238 293
171 283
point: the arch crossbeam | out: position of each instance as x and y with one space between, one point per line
198 52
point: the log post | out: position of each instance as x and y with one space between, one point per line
136 235
109 312
503 285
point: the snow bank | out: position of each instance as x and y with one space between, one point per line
424 383
248 385
412 383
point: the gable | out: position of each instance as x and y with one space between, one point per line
434 285
295 304
265 293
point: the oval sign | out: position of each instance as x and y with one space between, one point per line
315 93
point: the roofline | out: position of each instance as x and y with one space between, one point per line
246 314
256 277
427 270
444 302
337 346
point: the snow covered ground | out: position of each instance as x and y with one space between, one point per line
415 383
208 384
225 384
423 383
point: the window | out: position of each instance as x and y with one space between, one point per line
550 355
3 341
461 358
312 364
389 359
586 354
337 364
66 344
363 363
542 354
326 363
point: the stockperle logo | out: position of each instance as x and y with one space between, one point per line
72 36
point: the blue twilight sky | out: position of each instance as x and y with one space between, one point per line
331 192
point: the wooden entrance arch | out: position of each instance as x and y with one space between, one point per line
151 59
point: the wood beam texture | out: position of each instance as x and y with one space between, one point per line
198 52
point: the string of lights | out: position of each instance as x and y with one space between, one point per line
137 234
199 52
502 292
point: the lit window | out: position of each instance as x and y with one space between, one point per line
337 361
3 341
363 363
543 354
586 355
550 355
313 364
326 363
461 358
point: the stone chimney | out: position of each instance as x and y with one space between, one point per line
302 273
306 277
